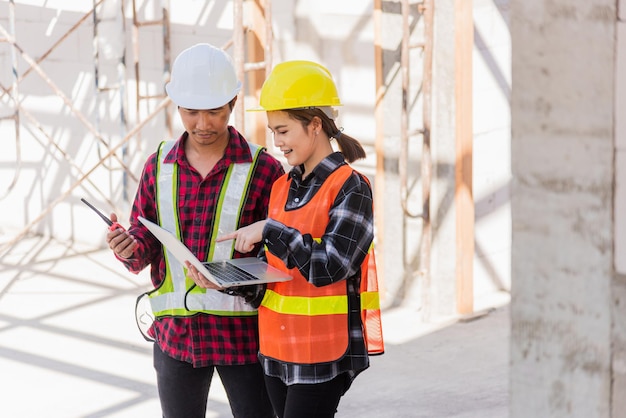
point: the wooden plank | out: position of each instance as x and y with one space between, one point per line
254 79
464 202
379 179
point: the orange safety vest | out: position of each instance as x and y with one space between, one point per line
304 324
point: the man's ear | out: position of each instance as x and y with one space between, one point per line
231 104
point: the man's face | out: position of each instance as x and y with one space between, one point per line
206 127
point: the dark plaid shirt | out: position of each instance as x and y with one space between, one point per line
202 339
338 257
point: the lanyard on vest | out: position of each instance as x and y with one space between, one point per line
178 295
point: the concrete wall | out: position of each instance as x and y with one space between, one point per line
564 327
50 181
619 284
492 147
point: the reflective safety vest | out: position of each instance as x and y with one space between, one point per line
178 295
304 324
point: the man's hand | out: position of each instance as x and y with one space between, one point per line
121 242
199 279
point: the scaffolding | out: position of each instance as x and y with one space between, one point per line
251 45
12 93
145 97
425 11
103 11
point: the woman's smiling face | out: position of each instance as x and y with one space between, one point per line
300 145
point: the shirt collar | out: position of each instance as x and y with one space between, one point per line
322 170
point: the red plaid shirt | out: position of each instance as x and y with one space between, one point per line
201 339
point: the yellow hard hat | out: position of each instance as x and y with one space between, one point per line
298 84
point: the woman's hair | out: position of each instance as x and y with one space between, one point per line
349 147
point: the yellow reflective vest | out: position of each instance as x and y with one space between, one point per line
177 295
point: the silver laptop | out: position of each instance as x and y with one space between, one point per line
224 273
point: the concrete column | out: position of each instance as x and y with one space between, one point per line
443 154
563 113
619 288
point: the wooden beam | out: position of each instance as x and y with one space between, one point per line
379 178
464 201
256 40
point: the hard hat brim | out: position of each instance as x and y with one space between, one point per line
200 102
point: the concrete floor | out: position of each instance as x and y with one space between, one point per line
69 348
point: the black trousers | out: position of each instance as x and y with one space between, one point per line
318 400
184 390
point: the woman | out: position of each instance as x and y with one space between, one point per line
317 330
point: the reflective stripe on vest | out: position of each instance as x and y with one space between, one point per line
370 300
178 295
298 305
370 305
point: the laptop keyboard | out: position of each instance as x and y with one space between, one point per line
227 272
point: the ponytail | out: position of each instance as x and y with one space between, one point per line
350 147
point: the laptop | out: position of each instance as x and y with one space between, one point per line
224 273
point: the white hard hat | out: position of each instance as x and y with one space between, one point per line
203 77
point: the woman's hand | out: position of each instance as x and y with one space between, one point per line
199 279
245 238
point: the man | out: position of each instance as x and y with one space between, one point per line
209 181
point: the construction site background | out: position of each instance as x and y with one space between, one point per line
90 88
495 133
